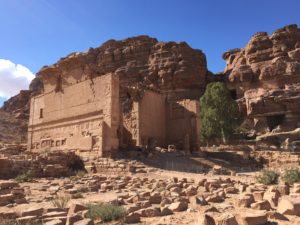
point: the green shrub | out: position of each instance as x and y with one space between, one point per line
25 177
268 177
291 175
60 201
105 211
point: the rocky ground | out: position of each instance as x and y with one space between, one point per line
157 197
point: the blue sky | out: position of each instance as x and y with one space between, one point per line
35 33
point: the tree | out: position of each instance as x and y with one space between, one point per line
219 113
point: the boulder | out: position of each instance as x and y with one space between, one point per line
261 205
84 222
152 211
252 218
166 211
27 220
244 200
214 198
132 218
226 219
76 207
272 197
258 195
54 222
206 219
155 198
201 200
178 206
8 184
289 206
33 212
71 219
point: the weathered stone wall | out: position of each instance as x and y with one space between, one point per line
183 123
54 164
83 116
152 114
153 120
266 60
114 166
277 159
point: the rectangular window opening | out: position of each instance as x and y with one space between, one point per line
41 113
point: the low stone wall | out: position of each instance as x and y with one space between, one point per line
108 165
54 164
277 159
11 192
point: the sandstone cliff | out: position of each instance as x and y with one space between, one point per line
19 105
266 57
265 76
12 130
141 61
14 114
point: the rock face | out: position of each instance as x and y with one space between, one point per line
141 60
14 114
266 57
12 129
265 77
19 105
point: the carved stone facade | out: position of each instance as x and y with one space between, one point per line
156 120
133 92
83 116
91 118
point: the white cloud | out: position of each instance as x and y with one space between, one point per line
13 78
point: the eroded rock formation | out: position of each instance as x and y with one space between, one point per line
19 105
266 58
265 77
141 61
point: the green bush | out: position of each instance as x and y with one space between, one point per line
60 201
268 177
106 212
25 177
291 175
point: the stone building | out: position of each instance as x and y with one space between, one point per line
121 95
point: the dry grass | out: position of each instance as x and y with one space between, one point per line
61 201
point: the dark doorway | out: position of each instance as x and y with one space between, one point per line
274 121
233 94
